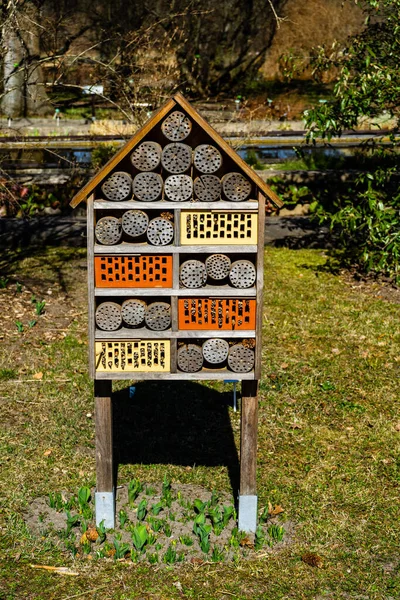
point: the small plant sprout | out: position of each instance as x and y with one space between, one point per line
19 326
155 524
3 282
56 501
166 493
217 554
101 530
123 518
142 510
186 540
39 307
170 556
121 549
72 520
134 489
259 538
32 323
212 503
153 558
83 501
167 529
276 533
264 516
199 506
157 508
229 513
18 287
139 537
216 517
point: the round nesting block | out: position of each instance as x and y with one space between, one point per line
108 230
240 358
236 187
207 158
242 274
189 358
215 351
193 274
135 222
147 187
108 316
158 316
218 266
147 156
117 187
207 188
133 311
176 158
178 188
160 231
177 126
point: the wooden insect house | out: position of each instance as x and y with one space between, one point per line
175 225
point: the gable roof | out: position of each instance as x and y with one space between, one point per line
178 99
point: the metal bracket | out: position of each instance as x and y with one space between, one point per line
105 509
247 514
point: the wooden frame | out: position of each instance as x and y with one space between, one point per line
179 251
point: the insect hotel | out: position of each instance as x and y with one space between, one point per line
175 225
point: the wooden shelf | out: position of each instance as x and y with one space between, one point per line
223 291
144 333
204 375
161 204
129 249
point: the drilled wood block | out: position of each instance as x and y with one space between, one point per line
208 227
236 187
207 188
207 158
108 316
147 187
133 311
218 266
176 158
193 274
135 222
143 356
160 232
215 351
108 230
178 188
190 358
147 156
216 313
177 126
242 274
241 359
118 186
158 316
146 271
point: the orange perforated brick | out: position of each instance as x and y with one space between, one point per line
214 313
146 271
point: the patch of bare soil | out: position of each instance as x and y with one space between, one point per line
378 287
170 530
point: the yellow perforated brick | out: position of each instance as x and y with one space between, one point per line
218 227
138 356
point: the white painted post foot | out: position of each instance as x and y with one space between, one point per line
105 509
247 514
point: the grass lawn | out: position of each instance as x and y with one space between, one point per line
329 432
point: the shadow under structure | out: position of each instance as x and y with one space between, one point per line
174 422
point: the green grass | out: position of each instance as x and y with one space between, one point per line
328 445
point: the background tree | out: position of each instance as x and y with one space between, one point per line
367 85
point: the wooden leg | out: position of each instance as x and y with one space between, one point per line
248 458
105 499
